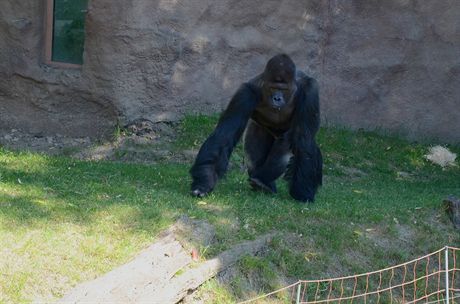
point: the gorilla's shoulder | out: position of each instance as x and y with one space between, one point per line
306 81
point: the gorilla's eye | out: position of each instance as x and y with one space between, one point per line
278 90
279 86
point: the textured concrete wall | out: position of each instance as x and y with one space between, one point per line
394 65
39 99
381 64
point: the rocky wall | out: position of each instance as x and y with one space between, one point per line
391 65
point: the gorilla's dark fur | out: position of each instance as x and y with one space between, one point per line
279 109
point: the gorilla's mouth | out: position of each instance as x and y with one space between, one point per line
277 107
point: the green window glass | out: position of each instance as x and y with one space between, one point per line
68 30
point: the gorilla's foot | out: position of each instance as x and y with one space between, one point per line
198 193
258 185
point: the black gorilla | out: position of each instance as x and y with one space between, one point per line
279 109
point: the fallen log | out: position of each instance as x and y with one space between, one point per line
159 262
178 287
153 276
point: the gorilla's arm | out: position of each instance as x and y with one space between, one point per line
212 159
305 168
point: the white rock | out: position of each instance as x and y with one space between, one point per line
441 156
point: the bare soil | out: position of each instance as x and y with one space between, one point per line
140 142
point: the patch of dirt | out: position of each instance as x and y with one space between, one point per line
350 172
16 139
139 142
193 233
404 235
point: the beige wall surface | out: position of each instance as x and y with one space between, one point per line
390 65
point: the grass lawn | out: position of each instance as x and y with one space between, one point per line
64 221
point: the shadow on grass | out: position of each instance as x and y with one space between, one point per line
140 200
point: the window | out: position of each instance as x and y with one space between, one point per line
65 32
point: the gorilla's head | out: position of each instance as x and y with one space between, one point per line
279 86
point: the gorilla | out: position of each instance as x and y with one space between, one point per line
278 112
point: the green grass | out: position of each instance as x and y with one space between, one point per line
64 221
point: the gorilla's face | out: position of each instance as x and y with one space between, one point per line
278 94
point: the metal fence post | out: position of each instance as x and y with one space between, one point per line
446 260
298 293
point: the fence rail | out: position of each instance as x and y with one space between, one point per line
432 278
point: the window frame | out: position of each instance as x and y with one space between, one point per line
48 52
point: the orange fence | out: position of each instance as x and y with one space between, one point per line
433 278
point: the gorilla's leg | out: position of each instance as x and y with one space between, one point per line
257 145
275 164
267 160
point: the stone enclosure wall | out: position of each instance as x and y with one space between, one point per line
391 65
